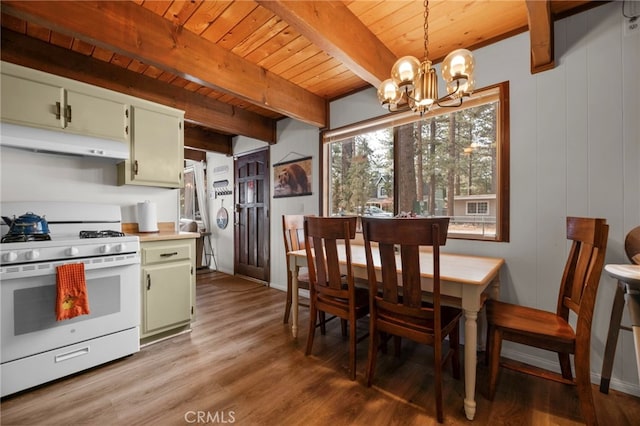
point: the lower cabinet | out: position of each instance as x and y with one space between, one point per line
168 287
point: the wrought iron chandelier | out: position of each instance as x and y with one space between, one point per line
415 84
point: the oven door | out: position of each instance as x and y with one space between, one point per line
28 297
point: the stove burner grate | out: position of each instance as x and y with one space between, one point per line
101 234
23 238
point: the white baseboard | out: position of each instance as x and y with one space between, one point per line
616 384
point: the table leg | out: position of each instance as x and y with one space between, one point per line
632 297
294 302
470 361
612 338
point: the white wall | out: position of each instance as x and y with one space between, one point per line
221 238
29 176
575 150
295 140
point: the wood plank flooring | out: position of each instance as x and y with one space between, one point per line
240 365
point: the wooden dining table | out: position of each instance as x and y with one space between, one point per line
463 281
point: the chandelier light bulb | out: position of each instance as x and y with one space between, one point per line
388 92
405 70
457 65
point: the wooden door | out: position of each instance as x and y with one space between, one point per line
252 215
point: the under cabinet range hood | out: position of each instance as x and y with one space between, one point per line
50 141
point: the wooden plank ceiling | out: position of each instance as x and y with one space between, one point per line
236 67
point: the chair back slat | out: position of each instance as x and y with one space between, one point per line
583 269
404 298
325 238
293 231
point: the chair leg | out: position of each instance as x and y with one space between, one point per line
487 348
437 356
313 315
454 344
583 382
373 352
323 323
494 362
343 324
352 347
397 345
287 306
565 366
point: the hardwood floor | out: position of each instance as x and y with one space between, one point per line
240 365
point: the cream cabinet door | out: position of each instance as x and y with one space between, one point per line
89 114
157 148
166 296
31 103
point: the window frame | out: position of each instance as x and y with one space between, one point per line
398 118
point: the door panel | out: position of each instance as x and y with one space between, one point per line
252 215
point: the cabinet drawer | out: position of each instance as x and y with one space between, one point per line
166 253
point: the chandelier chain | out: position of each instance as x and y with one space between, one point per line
426 30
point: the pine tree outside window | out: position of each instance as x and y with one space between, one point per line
449 162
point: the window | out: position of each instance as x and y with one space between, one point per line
449 162
477 207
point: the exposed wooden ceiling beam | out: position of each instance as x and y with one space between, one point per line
332 27
115 25
541 35
199 109
201 139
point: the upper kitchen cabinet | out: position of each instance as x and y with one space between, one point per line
37 99
157 148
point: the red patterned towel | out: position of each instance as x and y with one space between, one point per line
72 297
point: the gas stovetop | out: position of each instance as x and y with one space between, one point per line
76 230
23 238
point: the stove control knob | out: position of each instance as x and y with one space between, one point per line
10 256
105 248
33 254
119 248
72 251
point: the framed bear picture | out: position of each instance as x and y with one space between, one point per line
292 178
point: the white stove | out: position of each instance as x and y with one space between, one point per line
35 346
76 230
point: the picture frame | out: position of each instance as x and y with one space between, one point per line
292 178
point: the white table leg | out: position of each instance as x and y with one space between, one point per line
294 301
633 304
470 360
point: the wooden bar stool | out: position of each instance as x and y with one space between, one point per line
628 288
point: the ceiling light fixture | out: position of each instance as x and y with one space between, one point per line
415 84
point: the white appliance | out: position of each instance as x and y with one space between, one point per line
35 347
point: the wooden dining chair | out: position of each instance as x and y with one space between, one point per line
551 330
293 233
396 306
332 287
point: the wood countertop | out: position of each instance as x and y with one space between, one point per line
166 231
